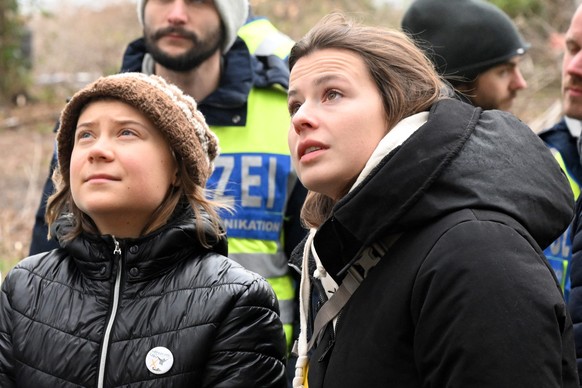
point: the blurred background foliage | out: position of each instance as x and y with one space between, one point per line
72 39
15 51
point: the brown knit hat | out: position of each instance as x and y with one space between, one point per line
171 111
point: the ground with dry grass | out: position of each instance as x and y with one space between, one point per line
26 144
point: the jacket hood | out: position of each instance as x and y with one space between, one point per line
152 254
462 157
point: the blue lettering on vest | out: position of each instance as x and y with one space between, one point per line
559 255
257 186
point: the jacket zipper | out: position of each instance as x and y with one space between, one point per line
117 286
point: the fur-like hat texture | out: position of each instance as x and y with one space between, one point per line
233 14
172 112
463 38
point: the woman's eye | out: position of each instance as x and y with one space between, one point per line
127 132
333 95
293 108
83 135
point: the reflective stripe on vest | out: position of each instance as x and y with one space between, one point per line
263 38
559 253
575 187
254 173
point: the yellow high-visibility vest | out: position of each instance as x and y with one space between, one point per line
263 38
254 172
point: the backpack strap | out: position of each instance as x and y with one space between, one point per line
355 275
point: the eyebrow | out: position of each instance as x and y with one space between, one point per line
319 81
509 64
116 121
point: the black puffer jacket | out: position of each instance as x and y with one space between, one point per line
465 297
219 321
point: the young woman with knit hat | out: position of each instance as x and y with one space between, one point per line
194 45
423 265
140 294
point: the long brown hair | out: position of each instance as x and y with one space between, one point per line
405 78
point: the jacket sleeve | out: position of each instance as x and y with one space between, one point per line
575 301
6 353
489 313
249 350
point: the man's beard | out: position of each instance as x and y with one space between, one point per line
191 59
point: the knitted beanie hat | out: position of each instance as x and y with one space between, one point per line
233 13
463 38
172 112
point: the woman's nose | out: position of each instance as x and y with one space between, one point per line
304 118
101 150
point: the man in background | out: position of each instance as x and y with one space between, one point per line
564 141
474 45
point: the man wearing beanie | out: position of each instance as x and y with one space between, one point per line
474 45
194 45
140 292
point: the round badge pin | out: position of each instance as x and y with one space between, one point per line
159 360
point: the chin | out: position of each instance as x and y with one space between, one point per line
573 109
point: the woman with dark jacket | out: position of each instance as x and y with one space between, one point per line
140 294
423 267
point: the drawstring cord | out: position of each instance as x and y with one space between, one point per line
304 292
329 285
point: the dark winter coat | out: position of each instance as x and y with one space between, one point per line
575 302
465 297
218 320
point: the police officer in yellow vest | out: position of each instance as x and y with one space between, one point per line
562 139
243 97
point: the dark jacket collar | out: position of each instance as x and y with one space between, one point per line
227 105
145 257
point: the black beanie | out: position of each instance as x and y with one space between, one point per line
463 38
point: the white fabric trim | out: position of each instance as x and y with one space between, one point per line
394 138
304 306
574 126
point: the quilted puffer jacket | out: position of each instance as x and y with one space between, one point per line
158 311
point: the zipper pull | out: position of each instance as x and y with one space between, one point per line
117 250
